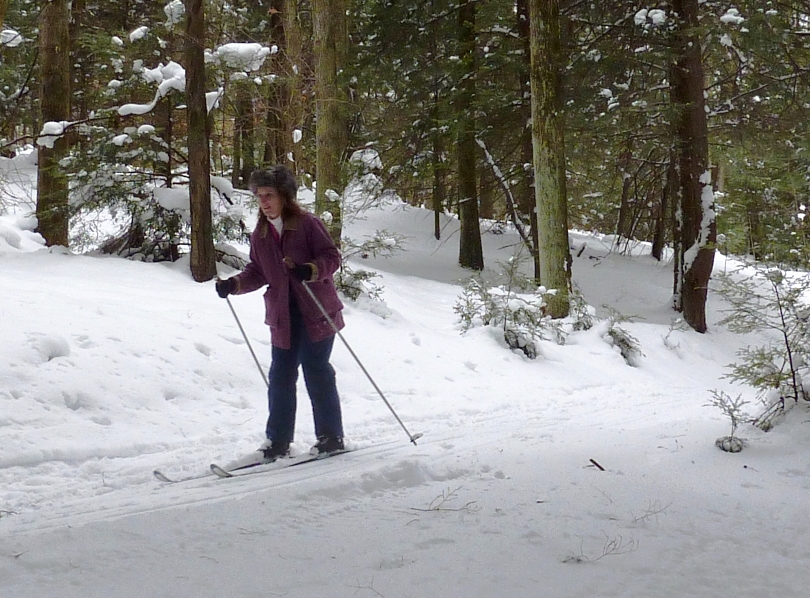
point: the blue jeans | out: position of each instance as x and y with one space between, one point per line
319 376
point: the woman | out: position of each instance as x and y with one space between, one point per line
288 249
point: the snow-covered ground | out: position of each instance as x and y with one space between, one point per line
111 368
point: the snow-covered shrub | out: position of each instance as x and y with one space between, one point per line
525 322
382 244
518 307
116 178
476 306
730 444
628 345
129 164
146 209
733 409
354 283
776 302
676 325
582 315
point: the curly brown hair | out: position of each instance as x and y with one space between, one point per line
282 180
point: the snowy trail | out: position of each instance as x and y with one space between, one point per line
464 436
542 508
562 399
110 369
142 425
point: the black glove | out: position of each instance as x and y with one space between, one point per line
226 287
302 272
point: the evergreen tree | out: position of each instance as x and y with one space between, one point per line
618 121
758 58
406 73
19 75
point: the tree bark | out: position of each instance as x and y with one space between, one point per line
663 217
285 108
278 140
164 127
470 254
623 224
52 182
6 125
295 65
486 194
236 151
548 137
439 188
524 190
437 140
81 58
697 226
244 124
203 258
330 29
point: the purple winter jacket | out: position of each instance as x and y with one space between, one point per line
304 240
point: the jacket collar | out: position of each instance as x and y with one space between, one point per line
290 223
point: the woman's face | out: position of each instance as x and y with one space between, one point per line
270 201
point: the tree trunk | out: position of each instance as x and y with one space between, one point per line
331 132
698 228
756 231
164 127
664 215
623 224
236 151
81 61
7 128
548 138
285 109
439 188
203 258
276 142
244 124
52 183
437 140
486 194
294 39
524 190
277 134
471 253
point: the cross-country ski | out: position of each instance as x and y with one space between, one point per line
241 470
282 463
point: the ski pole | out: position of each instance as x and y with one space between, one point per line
256 359
413 437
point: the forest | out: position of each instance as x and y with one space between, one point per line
682 123
576 191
